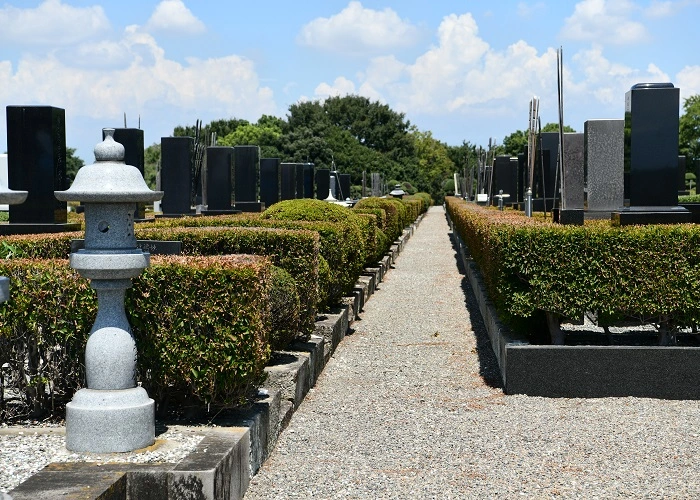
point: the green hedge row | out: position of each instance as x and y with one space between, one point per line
650 273
212 349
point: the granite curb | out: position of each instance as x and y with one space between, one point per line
227 457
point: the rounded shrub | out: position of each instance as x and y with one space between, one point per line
284 309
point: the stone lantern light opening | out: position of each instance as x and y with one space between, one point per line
112 414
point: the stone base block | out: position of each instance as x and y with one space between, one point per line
102 421
651 215
568 217
249 206
221 212
17 228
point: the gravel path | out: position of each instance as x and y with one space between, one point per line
410 406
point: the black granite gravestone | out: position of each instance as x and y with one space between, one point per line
132 140
288 181
219 160
682 189
245 178
344 186
651 155
522 177
299 181
36 163
269 181
176 175
505 178
323 183
308 180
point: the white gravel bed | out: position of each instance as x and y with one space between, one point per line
25 451
411 406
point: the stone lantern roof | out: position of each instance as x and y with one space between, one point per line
109 179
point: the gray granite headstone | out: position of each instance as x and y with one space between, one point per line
604 164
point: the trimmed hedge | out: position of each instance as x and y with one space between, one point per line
394 218
297 252
650 273
201 325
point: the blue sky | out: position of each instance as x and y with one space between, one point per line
464 70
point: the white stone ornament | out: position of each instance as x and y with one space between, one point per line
112 414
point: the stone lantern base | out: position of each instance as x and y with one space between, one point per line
110 421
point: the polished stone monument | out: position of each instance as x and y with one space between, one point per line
112 414
603 157
323 183
219 162
505 178
245 179
308 180
269 181
36 148
176 159
344 185
572 202
299 190
651 156
288 181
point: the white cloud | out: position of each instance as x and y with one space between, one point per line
604 21
341 86
688 79
51 23
660 9
173 16
357 30
527 11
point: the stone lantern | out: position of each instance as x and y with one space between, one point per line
9 197
397 192
112 414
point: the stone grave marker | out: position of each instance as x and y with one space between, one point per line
36 148
245 178
269 181
219 163
299 191
288 181
505 180
309 180
651 155
344 185
176 157
603 166
323 183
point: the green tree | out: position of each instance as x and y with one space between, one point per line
515 143
221 128
554 127
151 160
689 128
434 164
73 164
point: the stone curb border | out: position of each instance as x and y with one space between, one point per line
221 466
582 371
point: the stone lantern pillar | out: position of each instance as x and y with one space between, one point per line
9 197
112 414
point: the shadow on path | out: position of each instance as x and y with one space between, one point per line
488 365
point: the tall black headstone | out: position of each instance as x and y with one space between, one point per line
219 159
36 163
288 181
308 180
300 180
176 174
245 178
323 183
269 181
132 140
651 155
505 175
344 191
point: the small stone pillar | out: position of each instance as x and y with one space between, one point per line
112 414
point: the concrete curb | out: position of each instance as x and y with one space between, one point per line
221 466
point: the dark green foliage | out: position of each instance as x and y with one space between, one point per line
650 273
284 309
394 223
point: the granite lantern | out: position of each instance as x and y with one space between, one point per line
112 414
9 197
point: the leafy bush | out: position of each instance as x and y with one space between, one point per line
284 309
394 222
650 273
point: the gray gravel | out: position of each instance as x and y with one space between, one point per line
25 451
411 406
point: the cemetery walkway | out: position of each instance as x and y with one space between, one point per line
410 406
